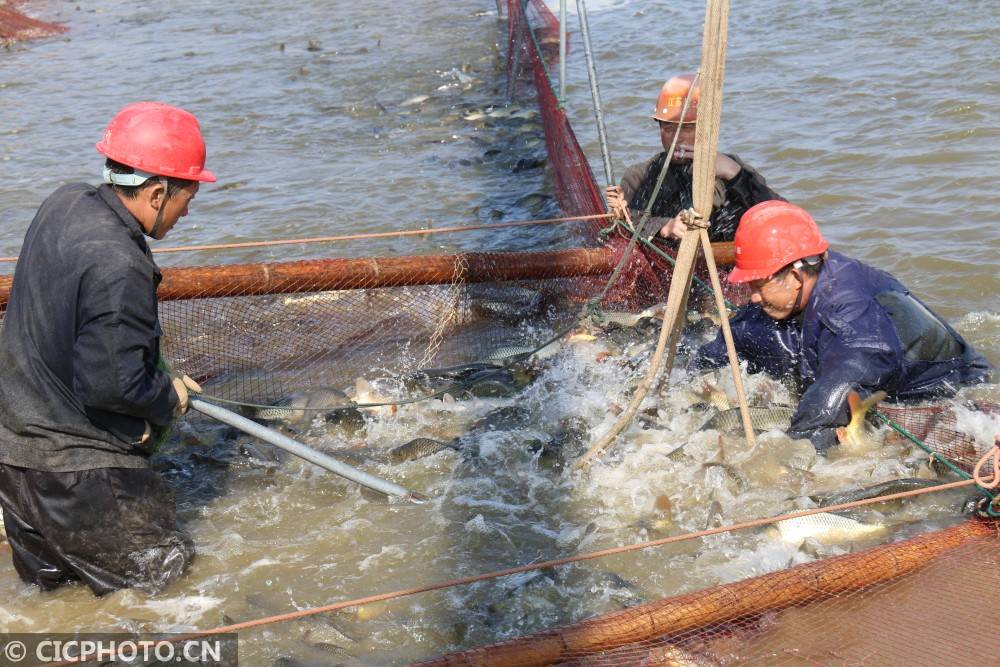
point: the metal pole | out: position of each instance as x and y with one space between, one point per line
562 51
298 449
581 9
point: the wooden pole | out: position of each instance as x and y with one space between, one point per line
799 585
370 272
713 56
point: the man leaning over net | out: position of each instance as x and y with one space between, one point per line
835 324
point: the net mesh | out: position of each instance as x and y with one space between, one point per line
910 602
16 26
913 602
258 333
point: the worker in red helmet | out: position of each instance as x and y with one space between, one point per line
835 324
738 186
82 389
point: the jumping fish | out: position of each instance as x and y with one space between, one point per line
364 393
825 528
626 320
305 405
763 419
418 448
855 437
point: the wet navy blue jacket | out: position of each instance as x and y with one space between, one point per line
861 329
80 339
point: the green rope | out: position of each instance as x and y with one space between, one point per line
919 443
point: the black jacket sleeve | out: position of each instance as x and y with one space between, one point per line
117 347
823 405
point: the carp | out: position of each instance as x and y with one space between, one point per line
418 448
825 528
626 320
875 491
763 419
304 406
855 438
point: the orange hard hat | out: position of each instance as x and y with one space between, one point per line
772 235
671 100
158 139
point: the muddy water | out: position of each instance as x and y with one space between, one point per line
387 126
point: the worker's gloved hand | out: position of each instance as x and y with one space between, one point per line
616 201
183 387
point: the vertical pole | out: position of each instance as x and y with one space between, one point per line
595 93
562 52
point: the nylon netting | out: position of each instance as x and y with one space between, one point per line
258 333
918 601
16 26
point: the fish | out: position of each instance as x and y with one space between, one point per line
875 491
504 310
418 448
304 406
364 393
715 518
416 99
534 201
509 353
825 528
728 473
855 437
511 304
710 394
508 417
625 319
763 419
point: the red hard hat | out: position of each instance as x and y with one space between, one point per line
772 235
159 139
671 100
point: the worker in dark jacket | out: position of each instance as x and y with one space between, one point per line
837 323
82 390
737 186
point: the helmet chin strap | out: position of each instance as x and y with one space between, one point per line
163 206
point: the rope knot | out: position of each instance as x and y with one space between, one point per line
692 218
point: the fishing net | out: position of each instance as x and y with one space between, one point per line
16 26
257 333
909 602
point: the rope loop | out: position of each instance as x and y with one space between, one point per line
992 456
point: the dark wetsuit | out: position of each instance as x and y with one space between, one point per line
860 330
78 384
732 198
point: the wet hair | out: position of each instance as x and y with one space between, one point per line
174 185
811 266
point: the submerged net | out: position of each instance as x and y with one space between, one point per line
910 602
258 333
16 26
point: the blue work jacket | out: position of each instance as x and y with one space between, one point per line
861 329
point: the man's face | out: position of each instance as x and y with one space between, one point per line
176 208
684 152
778 295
